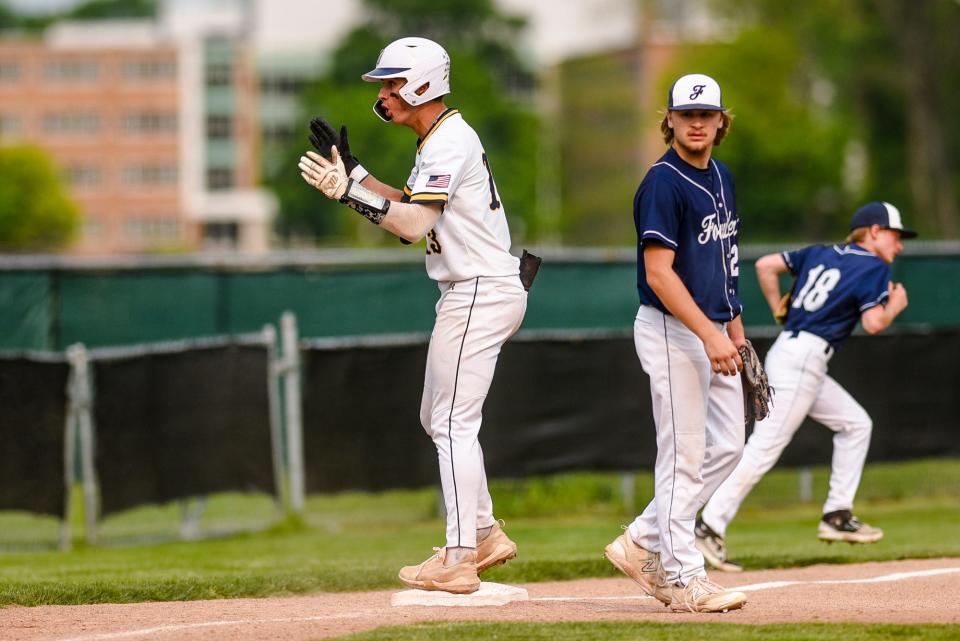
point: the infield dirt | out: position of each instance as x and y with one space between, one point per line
851 594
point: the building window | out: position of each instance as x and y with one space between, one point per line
93 228
220 178
222 235
150 122
151 229
282 85
150 175
219 126
80 176
9 71
71 70
278 132
71 122
219 75
149 69
10 125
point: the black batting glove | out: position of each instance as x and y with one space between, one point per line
323 137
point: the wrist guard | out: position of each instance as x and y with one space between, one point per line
358 172
368 204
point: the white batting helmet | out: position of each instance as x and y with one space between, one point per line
421 62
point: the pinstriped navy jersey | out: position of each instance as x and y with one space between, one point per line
834 285
693 212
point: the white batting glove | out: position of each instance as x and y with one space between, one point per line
328 176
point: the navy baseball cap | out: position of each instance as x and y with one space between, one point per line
694 91
883 214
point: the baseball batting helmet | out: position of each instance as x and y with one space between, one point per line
421 62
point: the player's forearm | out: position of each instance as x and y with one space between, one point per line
876 319
677 299
410 221
388 192
769 268
736 332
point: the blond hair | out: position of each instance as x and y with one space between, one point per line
858 235
667 131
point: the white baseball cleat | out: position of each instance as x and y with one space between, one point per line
496 549
432 574
640 564
842 525
703 595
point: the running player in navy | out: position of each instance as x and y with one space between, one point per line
686 333
835 287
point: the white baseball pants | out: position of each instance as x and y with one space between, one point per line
797 369
700 429
474 319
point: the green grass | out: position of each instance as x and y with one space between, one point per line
358 541
630 631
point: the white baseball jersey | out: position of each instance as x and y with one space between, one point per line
471 238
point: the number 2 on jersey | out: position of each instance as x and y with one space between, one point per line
494 201
817 288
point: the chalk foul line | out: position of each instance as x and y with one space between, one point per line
770 585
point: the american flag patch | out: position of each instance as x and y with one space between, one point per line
439 181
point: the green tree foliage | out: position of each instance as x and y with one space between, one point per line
786 145
8 18
91 10
488 85
35 211
598 129
106 9
825 87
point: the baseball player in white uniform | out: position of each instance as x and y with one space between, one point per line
836 286
687 332
451 200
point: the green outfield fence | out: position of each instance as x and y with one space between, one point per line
48 303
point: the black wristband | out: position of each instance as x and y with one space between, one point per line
368 204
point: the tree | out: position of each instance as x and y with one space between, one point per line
890 68
786 145
91 10
486 80
35 211
107 9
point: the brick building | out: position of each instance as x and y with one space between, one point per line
154 124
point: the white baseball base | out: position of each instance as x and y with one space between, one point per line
488 594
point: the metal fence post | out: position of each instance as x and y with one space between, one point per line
806 484
69 456
628 488
82 402
274 366
294 424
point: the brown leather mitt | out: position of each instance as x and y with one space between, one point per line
757 393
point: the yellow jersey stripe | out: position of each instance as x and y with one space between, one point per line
432 129
427 196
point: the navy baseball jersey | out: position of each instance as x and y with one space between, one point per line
693 212
835 284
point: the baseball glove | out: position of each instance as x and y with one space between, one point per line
757 393
780 316
323 137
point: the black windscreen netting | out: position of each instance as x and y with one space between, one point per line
361 419
559 405
182 424
33 407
